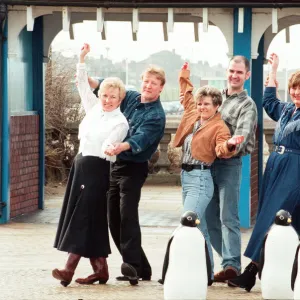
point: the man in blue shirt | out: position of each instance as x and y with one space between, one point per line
146 119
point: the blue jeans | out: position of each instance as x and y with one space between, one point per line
222 214
197 190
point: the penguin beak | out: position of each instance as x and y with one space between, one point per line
197 222
289 220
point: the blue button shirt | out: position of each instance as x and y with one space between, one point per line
146 127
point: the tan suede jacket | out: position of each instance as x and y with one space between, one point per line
210 140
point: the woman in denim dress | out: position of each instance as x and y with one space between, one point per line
281 182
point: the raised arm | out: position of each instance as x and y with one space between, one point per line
274 61
88 98
186 88
272 105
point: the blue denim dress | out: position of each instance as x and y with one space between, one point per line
281 181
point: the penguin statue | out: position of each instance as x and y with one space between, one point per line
277 257
187 269
295 280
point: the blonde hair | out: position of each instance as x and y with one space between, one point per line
294 80
158 72
113 82
209 91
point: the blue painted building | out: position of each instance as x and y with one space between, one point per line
27 30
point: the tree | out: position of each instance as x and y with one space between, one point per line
63 113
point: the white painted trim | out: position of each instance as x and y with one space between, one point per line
30 18
170 20
224 21
274 20
205 19
16 22
135 20
241 20
254 56
119 9
100 19
66 18
260 23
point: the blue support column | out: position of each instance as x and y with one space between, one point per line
257 95
5 191
38 99
242 46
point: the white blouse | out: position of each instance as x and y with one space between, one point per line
99 128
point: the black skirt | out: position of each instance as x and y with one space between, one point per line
83 227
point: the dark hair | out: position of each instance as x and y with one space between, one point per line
209 91
241 59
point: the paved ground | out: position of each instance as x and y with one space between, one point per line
27 256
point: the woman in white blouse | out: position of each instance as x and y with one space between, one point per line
82 228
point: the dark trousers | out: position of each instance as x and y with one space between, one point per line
126 181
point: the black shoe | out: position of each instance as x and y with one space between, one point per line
160 281
125 278
129 271
247 279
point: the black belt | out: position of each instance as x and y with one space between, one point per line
189 168
282 149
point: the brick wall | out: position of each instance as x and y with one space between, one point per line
24 164
254 181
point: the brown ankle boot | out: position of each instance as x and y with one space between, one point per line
65 275
100 272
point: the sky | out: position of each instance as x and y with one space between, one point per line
119 44
212 46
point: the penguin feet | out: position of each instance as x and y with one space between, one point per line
130 272
247 279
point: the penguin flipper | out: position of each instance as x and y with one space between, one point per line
295 269
166 260
262 258
208 265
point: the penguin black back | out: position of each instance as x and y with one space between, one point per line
189 219
283 218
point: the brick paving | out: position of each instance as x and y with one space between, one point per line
27 256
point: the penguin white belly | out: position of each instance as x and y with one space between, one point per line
297 281
297 287
186 277
280 249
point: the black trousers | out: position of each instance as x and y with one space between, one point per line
126 181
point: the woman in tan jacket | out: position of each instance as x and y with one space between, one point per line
203 136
